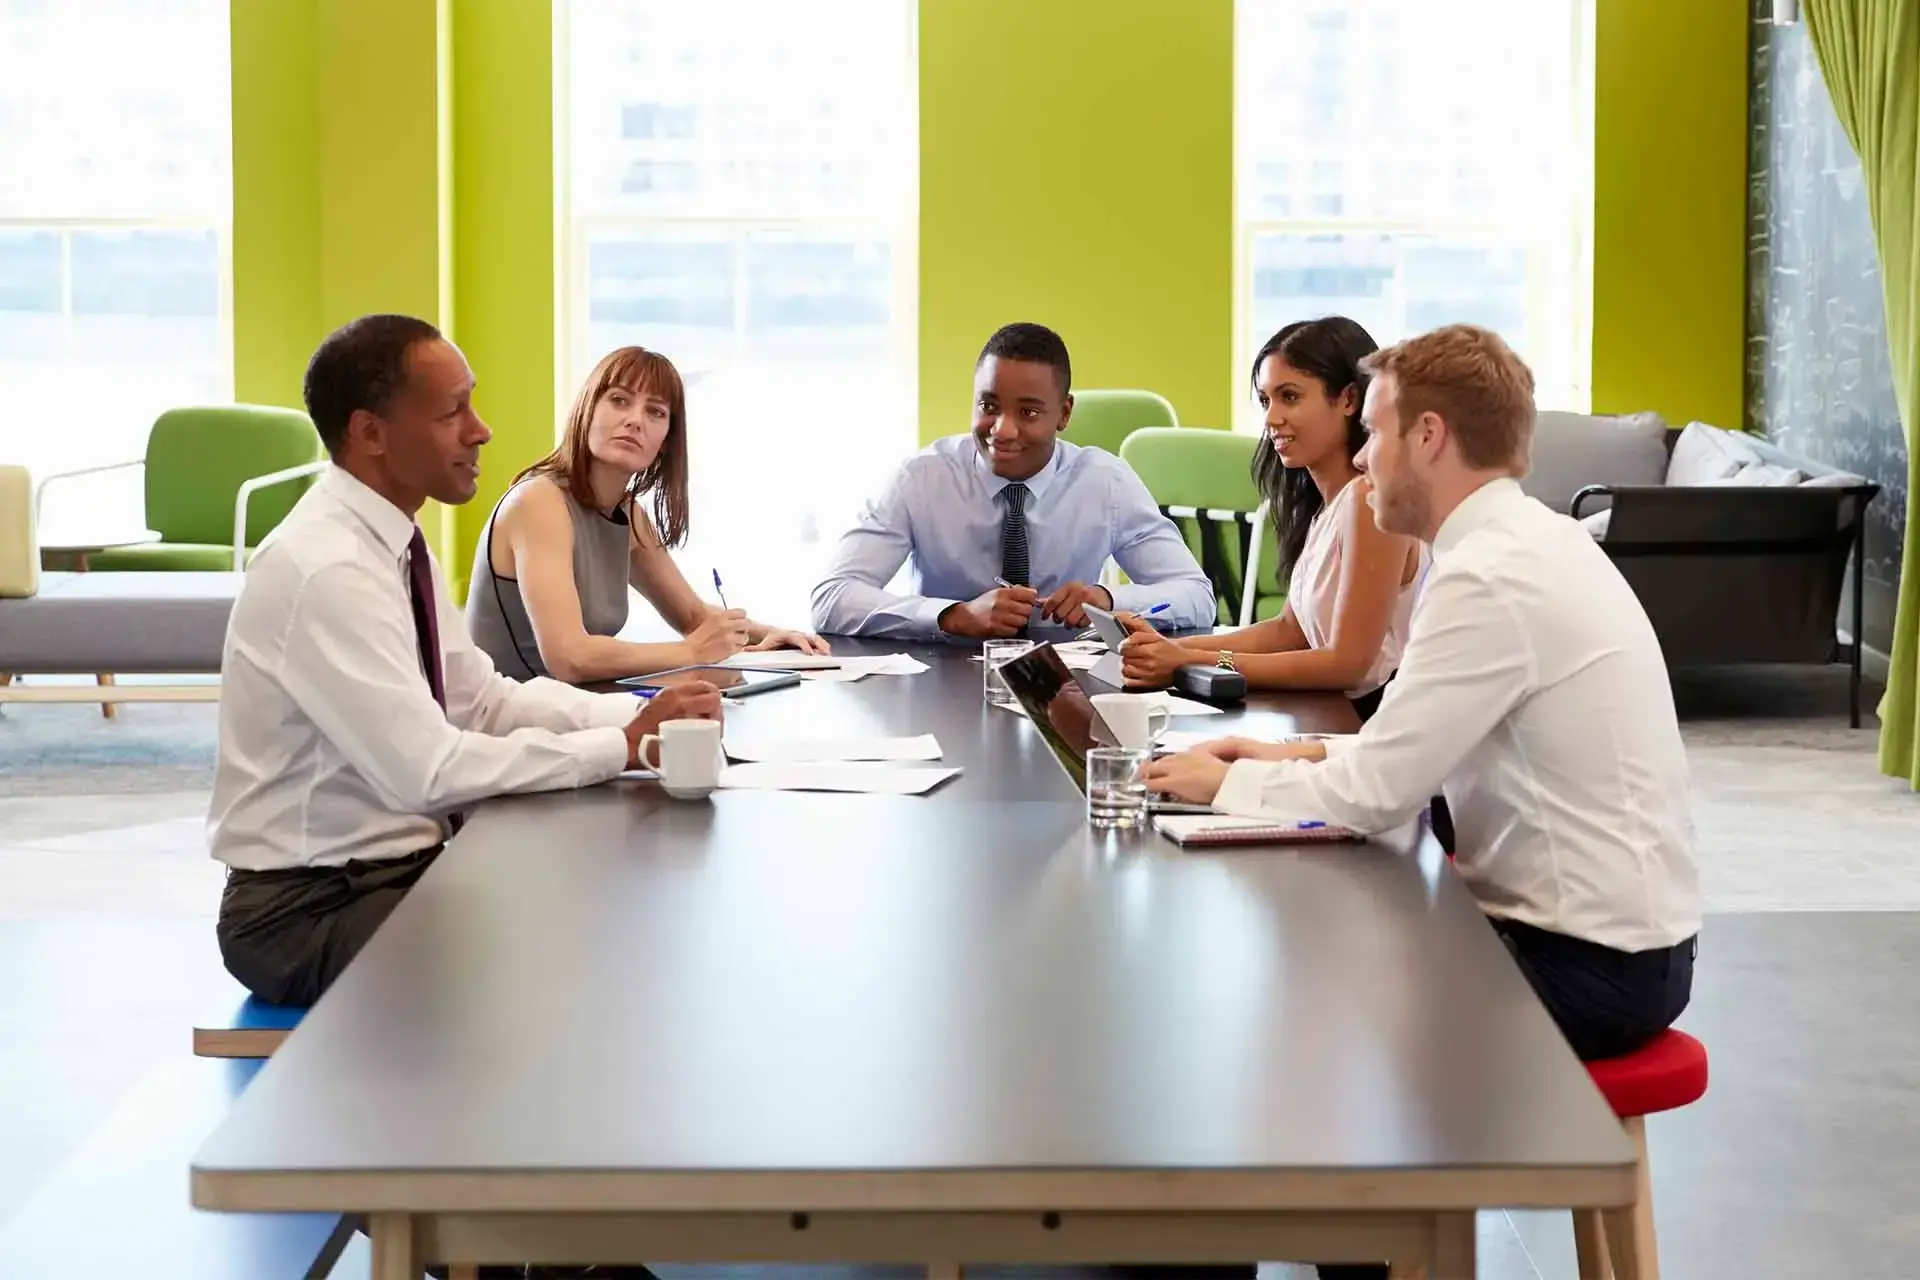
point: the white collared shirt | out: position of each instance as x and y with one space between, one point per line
331 745
1533 695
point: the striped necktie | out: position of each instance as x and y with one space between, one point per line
1013 536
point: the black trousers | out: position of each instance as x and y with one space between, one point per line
286 935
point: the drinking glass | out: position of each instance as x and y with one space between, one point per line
1116 787
994 653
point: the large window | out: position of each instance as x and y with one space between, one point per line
115 201
742 185
1416 164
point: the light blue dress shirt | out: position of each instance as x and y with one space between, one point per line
943 511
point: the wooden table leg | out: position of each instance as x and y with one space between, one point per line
1454 1243
394 1254
1630 1241
463 1271
105 681
1590 1244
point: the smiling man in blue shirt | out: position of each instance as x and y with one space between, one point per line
1010 525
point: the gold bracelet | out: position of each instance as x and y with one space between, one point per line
1226 661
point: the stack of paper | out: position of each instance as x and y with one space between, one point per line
827 750
872 779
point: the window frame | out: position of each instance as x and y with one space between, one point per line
573 299
66 228
1570 379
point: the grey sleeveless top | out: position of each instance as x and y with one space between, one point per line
497 616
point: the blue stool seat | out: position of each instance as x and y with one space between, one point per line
119 1206
246 1027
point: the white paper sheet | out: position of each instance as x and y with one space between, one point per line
784 660
873 779
1071 650
890 664
1176 706
822 750
1185 739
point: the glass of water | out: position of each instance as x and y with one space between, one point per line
1116 787
994 653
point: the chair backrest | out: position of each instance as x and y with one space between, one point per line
19 550
198 458
1189 469
1103 419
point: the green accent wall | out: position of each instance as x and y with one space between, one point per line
505 242
1076 169
276 198
1670 177
365 181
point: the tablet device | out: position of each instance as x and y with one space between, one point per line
1106 626
732 682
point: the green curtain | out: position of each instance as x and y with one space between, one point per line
1869 52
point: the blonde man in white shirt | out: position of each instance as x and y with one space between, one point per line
1532 693
357 719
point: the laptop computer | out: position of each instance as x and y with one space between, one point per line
1060 708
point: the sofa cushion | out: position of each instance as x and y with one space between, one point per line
170 557
1573 450
134 622
1704 454
19 552
1833 480
1763 475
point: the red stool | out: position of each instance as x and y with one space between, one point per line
1668 1072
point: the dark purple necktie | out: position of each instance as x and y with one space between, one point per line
426 628
426 625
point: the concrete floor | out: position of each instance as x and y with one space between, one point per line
1803 1160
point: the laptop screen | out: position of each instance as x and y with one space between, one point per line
1059 708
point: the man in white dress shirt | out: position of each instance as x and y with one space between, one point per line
1532 694
357 719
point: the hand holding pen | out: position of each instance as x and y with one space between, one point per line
1067 604
720 635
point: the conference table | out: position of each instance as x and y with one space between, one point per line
958 1028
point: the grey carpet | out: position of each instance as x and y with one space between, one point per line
52 749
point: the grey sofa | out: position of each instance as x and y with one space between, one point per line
101 623
1738 550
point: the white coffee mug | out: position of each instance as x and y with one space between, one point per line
686 755
1135 721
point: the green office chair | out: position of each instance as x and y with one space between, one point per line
217 480
1202 479
1104 419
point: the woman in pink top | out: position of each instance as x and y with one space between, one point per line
1350 586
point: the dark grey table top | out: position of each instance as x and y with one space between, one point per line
972 981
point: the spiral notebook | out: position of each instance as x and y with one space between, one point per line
1216 830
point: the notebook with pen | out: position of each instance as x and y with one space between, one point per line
1217 830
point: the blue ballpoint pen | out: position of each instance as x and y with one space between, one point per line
721 592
